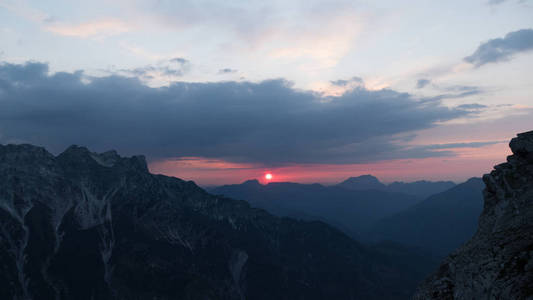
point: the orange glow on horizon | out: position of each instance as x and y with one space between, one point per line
467 162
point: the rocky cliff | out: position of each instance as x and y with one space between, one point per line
83 225
497 263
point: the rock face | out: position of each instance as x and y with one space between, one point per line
84 225
497 263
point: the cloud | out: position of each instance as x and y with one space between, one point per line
344 82
167 69
502 49
458 91
268 122
227 71
179 60
421 83
496 2
460 145
472 106
100 28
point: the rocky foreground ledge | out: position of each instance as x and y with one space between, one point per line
497 263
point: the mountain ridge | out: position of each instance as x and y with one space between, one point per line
84 225
353 211
420 188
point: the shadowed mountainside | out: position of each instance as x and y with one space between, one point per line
440 223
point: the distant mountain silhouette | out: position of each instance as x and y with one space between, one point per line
353 211
440 223
363 182
421 189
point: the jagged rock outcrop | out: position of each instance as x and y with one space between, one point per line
83 225
497 263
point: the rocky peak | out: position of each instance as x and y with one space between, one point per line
497 263
24 152
522 145
83 158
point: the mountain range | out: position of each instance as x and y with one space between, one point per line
84 225
353 211
421 189
371 211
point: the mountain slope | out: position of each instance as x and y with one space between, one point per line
440 223
99 226
497 263
350 210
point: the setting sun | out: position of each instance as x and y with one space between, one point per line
268 176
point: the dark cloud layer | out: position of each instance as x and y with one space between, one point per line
267 122
502 49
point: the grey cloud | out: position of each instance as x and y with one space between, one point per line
176 67
461 88
179 60
344 82
461 145
267 122
502 49
459 92
226 71
421 83
472 106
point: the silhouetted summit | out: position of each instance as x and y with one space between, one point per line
363 182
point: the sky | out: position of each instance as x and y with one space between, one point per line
311 91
